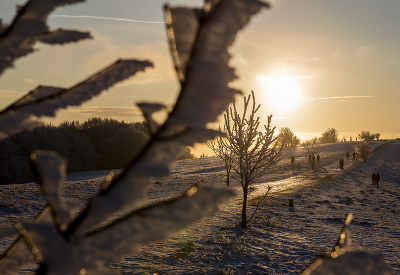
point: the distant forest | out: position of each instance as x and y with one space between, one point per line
96 144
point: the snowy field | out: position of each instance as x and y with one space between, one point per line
282 239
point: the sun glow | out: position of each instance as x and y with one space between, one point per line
281 91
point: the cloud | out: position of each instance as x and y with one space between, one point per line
336 55
241 60
365 50
315 59
109 49
107 18
120 112
346 97
10 93
31 81
339 98
309 76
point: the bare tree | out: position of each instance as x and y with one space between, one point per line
286 138
311 147
249 151
219 148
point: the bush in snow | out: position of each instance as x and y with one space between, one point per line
287 138
367 136
362 150
311 148
187 154
331 135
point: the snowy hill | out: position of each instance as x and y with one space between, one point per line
282 239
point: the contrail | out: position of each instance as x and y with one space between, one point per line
346 97
107 18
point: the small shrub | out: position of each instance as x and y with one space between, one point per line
187 154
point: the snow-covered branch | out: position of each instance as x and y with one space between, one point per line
89 241
45 100
28 27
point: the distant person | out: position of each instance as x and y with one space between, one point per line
373 178
292 161
378 178
318 157
313 157
347 155
309 158
341 162
354 156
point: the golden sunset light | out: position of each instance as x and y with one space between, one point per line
282 92
199 137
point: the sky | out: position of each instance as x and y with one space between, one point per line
313 64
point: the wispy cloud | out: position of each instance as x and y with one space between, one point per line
30 81
107 18
338 98
323 39
315 59
147 81
309 76
336 55
10 93
346 97
365 50
123 112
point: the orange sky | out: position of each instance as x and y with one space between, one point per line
335 62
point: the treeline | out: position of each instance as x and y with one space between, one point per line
96 144
287 138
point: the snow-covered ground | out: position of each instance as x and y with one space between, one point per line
282 239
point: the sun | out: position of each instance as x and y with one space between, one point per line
282 91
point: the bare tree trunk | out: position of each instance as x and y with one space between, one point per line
244 207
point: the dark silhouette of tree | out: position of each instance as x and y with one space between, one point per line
14 164
78 143
311 148
362 150
331 135
367 136
187 154
286 138
123 145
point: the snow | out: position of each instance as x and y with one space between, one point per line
282 239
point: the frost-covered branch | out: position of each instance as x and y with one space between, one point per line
217 146
341 260
28 27
89 241
45 100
